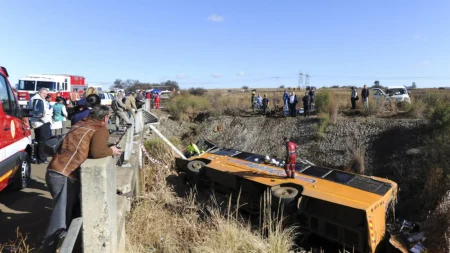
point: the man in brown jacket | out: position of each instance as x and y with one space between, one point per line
87 138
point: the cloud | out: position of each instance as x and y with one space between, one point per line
240 73
216 75
215 18
181 76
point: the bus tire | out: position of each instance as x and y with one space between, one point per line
195 166
285 194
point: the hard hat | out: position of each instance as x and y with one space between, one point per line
256 159
253 93
273 161
267 158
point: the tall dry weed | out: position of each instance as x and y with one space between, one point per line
19 245
437 227
357 154
162 221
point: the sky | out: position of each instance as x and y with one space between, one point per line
228 43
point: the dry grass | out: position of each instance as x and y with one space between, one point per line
357 154
161 221
438 225
20 244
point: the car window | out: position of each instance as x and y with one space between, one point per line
13 102
4 96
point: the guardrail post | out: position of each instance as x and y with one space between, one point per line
99 205
129 143
73 234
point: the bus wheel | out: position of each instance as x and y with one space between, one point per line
195 166
285 194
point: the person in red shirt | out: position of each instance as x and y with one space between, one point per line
291 158
157 101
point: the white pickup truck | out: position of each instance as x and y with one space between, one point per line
397 94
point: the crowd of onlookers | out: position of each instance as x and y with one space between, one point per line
290 101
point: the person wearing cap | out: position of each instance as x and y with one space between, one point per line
265 104
291 157
253 101
85 106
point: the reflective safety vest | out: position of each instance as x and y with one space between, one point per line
192 148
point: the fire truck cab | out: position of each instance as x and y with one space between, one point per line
15 139
58 85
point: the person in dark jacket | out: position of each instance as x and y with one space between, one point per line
365 97
91 101
306 104
354 97
293 101
265 104
312 97
253 101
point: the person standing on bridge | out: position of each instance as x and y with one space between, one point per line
119 111
291 157
87 138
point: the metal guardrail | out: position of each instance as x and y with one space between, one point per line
72 235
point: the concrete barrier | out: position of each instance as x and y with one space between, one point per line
106 194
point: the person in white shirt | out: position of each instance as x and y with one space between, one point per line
41 122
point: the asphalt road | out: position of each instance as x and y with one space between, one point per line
27 210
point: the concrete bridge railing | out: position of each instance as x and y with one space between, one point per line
106 192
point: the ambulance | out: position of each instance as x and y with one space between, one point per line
15 139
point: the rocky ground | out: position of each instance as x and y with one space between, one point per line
376 139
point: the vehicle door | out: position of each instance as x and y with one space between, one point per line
12 132
378 94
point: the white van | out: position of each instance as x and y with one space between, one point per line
397 94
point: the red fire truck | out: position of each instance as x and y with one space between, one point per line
15 139
58 85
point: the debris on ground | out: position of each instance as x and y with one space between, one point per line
407 237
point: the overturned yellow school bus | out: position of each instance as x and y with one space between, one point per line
343 207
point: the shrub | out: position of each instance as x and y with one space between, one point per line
322 126
322 100
333 109
186 107
439 115
416 109
197 91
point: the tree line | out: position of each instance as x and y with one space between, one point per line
132 85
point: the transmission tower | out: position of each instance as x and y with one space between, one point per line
307 80
300 80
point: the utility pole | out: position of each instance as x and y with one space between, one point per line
300 80
307 80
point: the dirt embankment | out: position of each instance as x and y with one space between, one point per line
377 139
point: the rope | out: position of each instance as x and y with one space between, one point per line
151 159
